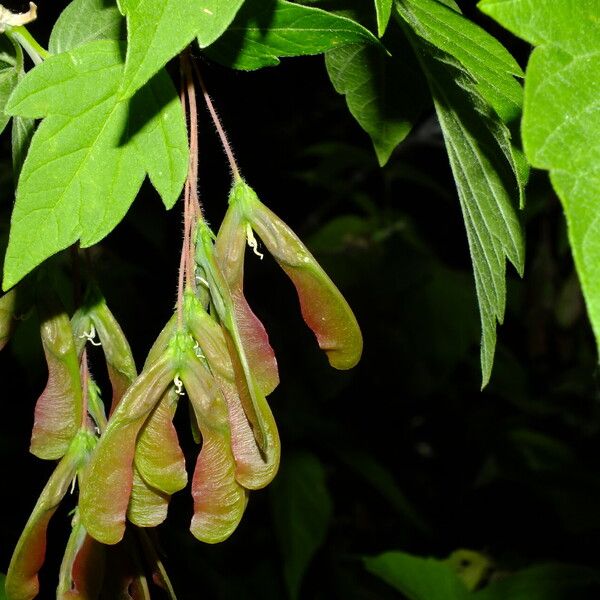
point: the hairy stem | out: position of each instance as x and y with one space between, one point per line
85 375
235 171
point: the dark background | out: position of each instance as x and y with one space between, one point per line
416 458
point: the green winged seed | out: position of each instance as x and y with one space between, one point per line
22 578
230 249
162 342
254 469
158 456
253 400
323 307
58 411
147 506
108 479
82 567
223 304
219 500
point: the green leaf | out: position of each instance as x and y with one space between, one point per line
262 33
560 128
383 9
160 136
22 133
471 92
81 173
418 578
302 510
160 29
84 21
375 88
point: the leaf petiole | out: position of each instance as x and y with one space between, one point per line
22 36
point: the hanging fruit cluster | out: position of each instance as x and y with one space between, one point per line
215 351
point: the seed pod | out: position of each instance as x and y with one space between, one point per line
230 248
254 469
58 411
221 298
158 456
22 577
108 478
323 307
219 500
82 567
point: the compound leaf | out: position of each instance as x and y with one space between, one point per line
475 94
263 32
82 173
84 21
483 56
561 128
383 9
375 87
157 30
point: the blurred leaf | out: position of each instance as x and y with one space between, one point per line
545 582
382 480
472 567
302 510
418 578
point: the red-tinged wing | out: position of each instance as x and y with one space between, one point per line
219 500
58 411
108 478
82 568
22 577
323 307
254 468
